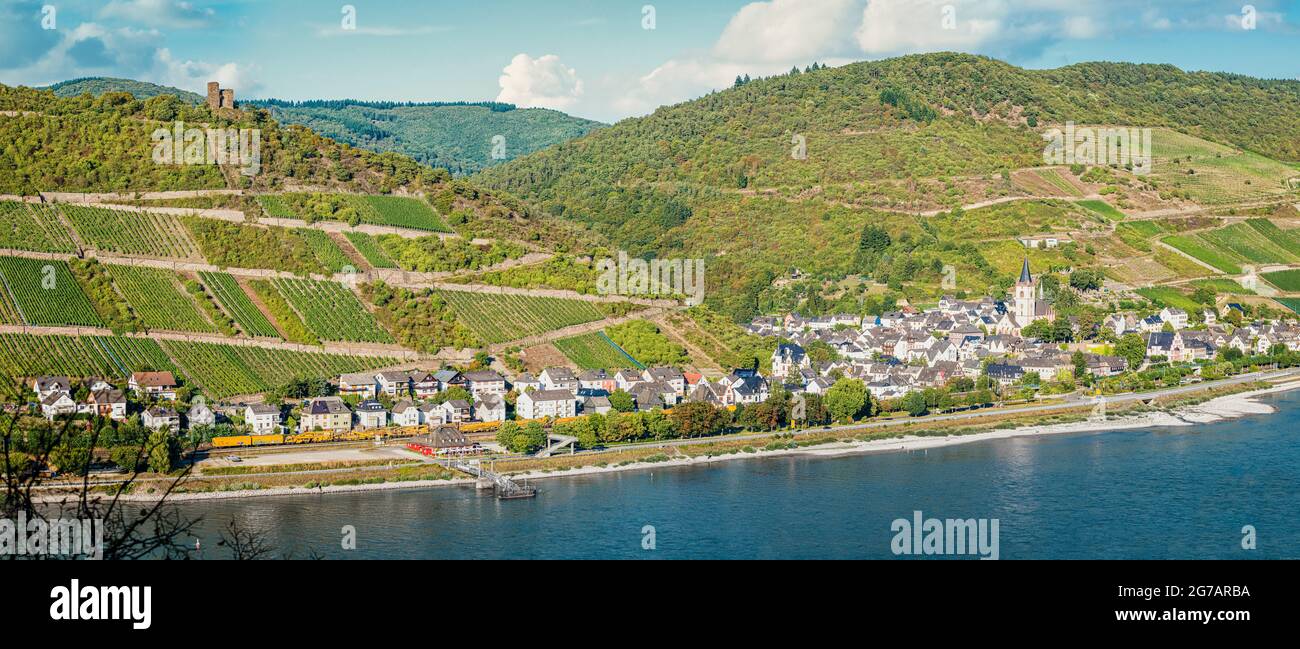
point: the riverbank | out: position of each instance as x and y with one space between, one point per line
841 443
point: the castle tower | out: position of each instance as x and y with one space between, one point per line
228 98
1024 295
214 95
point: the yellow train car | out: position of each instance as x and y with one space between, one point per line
232 441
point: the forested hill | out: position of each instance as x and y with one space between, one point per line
746 131
784 172
461 137
139 89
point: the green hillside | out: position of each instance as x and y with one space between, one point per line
458 137
790 172
139 89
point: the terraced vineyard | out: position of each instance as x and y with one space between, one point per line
45 293
1170 297
396 211
157 298
1138 233
332 311
1053 178
146 234
1254 242
29 226
369 248
1103 208
1292 303
595 351
8 314
1287 280
1213 174
237 303
227 370
500 318
24 355
330 255
1204 251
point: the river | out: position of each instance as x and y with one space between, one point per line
1183 492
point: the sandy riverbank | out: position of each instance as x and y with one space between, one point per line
1218 409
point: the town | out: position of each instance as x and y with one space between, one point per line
839 368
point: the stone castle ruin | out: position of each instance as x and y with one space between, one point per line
220 99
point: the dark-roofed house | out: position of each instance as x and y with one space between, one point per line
670 375
371 414
57 404
483 382
596 405
159 418
109 403
44 386
443 440
325 413
546 403
490 407
559 378
788 358
457 411
406 413
1005 374
263 418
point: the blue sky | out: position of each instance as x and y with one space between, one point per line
598 58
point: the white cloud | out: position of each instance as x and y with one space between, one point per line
541 82
160 13
906 26
781 31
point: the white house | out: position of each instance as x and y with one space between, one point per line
490 407
483 382
546 403
262 418
158 418
406 413
371 414
361 384
57 404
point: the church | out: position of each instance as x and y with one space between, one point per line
1027 304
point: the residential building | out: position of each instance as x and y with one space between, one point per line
546 403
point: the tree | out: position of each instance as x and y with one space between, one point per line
698 419
1080 364
872 244
622 401
914 403
1133 349
846 398
162 452
506 433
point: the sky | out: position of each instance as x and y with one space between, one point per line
603 59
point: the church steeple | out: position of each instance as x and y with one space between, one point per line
1025 277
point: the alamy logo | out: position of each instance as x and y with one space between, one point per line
953 536
212 146
1123 147
77 602
66 537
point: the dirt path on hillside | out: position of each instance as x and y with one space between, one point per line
696 353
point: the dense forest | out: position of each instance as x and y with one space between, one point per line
461 137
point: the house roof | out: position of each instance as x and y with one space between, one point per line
154 379
550 395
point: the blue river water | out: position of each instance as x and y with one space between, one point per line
1158 493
